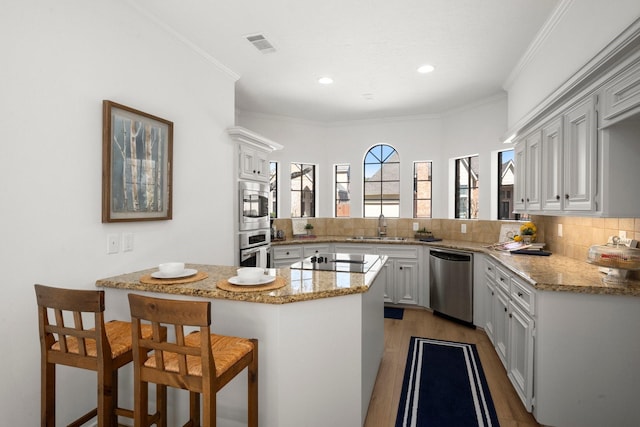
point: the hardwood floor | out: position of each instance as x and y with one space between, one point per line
418 322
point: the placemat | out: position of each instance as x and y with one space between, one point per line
276 284
200 275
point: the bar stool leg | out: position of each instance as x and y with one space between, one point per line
48 396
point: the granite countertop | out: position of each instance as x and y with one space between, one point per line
301 285
547 273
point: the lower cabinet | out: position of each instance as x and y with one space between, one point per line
402 271
284 256
510 325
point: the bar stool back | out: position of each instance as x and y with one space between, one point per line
98 346
199 361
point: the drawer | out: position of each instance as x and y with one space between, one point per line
310 250
290 252
490 269
503 280
523 295
398 252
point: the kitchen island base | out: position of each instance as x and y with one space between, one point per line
318 359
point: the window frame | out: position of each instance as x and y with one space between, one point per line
499 189
470 188
382 201
336 198
274 188
415 189
313 191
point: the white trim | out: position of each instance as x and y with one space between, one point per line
226 70
534 46
246 136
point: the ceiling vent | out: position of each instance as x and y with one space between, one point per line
261 43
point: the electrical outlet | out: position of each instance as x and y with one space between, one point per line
463 228
559 230
113 244
127 242
415 226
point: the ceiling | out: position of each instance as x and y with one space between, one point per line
370 48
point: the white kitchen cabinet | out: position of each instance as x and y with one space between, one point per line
355 248
311 250
528 154
254 164
580 155
402 272
510 325
552 166
520 353
621 96
284 256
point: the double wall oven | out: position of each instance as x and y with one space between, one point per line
254 232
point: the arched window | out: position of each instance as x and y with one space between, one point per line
381 182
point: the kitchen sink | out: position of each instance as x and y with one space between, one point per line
395 239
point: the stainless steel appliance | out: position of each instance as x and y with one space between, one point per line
451 283
352 263
254 205
254 248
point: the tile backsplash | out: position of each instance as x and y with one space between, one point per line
578 233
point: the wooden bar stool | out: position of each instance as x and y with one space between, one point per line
199 362
100 347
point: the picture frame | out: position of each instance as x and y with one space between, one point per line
137 156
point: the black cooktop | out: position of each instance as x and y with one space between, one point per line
352 263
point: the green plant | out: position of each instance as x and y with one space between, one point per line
308 227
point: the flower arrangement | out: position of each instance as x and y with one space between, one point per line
527 229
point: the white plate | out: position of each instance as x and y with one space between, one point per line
185 273
235 280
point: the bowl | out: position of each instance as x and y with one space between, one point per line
250 274
171 268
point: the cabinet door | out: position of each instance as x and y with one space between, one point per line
501 324
389 283
552 166
533 170
489 302
580 157
406 286
520 354
519 184
261 165
253 164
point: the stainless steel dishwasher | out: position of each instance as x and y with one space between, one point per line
451 283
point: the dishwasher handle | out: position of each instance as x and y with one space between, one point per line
449 256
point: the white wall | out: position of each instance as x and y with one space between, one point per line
473 130
584 29
59 61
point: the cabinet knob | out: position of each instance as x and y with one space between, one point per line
566 196
520 294
258 172
557 197
510 315
254 171
400 267
522 200
287 252
492 293
527 200
505 309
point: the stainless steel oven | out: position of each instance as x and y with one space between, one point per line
258 256
255 246
254 205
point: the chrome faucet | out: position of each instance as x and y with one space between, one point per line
382 226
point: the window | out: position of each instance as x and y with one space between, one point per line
303 190
343 192
467 187
422 189
381 182
506 171
273 189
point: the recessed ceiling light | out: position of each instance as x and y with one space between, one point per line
325 80
424 69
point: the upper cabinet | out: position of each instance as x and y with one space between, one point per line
578 153
254 164
253 153
621 97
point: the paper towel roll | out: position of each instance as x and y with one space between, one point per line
262 258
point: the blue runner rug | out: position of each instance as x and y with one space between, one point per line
393 313
444 385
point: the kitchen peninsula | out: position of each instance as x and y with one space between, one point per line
321 340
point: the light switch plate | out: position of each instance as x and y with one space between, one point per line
113 244
415 226
463 228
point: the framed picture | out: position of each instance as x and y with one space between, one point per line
137 152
